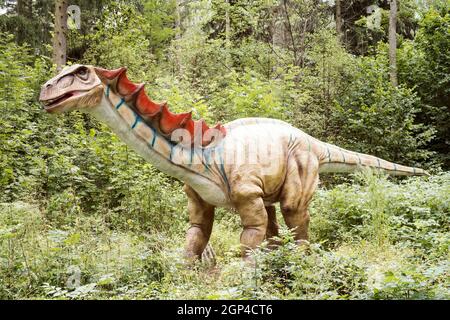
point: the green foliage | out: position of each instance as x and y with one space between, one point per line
159 18
381 119
413 213
87 255
30 25
250 96
309 273
120 41
198 60
424 65
83 217
411 282
310 93
19 133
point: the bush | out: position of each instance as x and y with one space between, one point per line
411 282
308 273
413 212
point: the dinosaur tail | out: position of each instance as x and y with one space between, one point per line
335 159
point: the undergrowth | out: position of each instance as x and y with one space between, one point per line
372 239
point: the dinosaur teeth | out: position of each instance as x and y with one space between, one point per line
55 101
50 101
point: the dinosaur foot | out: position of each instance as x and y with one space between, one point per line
207 259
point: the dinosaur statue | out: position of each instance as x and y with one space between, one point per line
248 164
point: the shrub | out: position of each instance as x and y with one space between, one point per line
309 273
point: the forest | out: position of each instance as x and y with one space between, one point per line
82 216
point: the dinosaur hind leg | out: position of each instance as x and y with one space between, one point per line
201 216
301 181
272 226
250 206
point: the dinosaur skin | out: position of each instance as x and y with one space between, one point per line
248 164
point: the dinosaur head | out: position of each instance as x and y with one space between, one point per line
75 88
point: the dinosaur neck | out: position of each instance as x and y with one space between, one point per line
152 146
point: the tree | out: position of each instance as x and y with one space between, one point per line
59 37
338 18
393 42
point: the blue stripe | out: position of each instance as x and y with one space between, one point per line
154 136
120 104
207 157
379 166
107 90
395 167
219 150
343 156
329 154
138 119
222 168
224 175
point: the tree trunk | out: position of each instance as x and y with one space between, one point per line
177 66
393 42
177 19
338 19
278 30
228 34
59 37
25 8
290 30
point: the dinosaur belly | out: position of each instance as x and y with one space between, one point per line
211 193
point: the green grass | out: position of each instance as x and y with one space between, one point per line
372 239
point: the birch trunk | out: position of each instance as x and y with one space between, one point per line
59 37
393 42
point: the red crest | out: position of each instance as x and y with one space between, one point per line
150 111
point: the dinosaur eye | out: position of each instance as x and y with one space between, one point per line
82 73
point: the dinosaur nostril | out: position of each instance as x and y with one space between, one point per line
48 85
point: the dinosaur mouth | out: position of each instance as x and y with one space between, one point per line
52 103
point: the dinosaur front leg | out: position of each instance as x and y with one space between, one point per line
201 216
272 226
